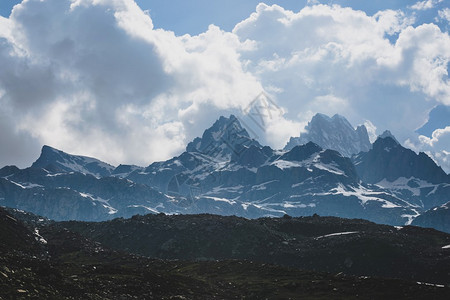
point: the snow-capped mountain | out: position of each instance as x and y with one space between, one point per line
334 133
226 138
58 161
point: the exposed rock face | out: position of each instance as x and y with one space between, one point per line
389 160
334 133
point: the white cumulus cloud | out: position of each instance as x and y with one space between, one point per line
445 14
95 78
424 5
437 146
330 52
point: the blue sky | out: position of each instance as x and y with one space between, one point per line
6 7
194 17
102 75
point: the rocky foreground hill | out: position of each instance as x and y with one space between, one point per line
219 258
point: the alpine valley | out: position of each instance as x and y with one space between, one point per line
332 170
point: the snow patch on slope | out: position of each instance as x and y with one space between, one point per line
217 199
336 234
309 163
362 193
105 203
39 237
26 185
403 183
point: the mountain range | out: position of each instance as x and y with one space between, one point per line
332 170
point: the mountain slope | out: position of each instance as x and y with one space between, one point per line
78 196
334 133
437 218
413 177
58 161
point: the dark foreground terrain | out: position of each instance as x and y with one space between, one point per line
325 244
58 263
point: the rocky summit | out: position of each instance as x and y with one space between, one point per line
59 161
334 133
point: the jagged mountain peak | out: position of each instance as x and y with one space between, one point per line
385 143
339 117
387 134
320 116
334 119
224 125
225 138
48 151
335 133
56 160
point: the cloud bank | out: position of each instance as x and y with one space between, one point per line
424 5
94 77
